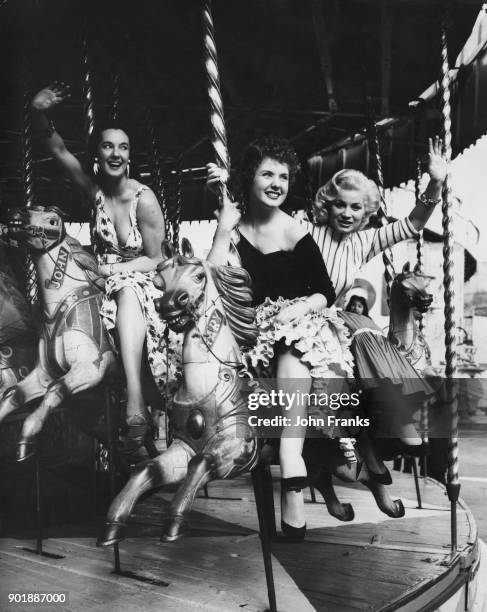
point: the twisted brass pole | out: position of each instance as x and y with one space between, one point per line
218 130
453 484
156 172
28 181
88 90
115 107
373 143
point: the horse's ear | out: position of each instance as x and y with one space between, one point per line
187 248
406 268
167 249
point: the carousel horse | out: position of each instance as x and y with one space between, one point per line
17 331
75 353
212 438
409 300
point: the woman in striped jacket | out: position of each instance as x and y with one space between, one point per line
343 206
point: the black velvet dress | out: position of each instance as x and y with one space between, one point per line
282 278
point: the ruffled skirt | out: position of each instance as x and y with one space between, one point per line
164 358
322 342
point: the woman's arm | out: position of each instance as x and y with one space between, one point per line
372 242
228 219
44 101
151 224
437 169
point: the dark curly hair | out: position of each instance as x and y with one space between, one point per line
270 147
95 137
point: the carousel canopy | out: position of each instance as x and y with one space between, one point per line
314 71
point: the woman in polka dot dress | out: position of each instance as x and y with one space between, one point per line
127 231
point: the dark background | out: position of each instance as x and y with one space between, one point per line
148 56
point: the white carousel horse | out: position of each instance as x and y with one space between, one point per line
74 349
212 438
410 299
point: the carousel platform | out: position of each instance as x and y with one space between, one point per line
373 563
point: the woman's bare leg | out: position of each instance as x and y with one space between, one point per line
293 377
131 328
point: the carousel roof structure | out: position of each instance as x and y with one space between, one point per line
313 71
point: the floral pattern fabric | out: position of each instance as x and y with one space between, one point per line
164 358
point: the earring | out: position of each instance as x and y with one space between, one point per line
127 171
96 167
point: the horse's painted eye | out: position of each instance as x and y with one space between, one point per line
200 277
52 222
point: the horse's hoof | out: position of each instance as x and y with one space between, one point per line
342 512
396 510
25 449
173 529
114 532
400 510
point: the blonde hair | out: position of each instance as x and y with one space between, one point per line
346 180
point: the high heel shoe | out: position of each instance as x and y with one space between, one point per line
137 428
417 450
297 483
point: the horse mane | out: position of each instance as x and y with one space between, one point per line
233 285
86 261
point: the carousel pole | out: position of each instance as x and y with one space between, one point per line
115 106
373 143
156 172
389 271
453 484
219 142
89 108
178 203
419 268
218 132
28 183
420 239
30 270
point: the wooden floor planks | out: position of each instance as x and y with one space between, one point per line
361 565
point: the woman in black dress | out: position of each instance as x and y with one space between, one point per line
301 336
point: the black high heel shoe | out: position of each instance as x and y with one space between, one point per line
418 450
297 483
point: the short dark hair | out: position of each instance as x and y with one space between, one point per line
360 299
270 147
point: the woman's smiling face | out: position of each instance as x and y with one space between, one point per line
113 152
346 213
271 183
